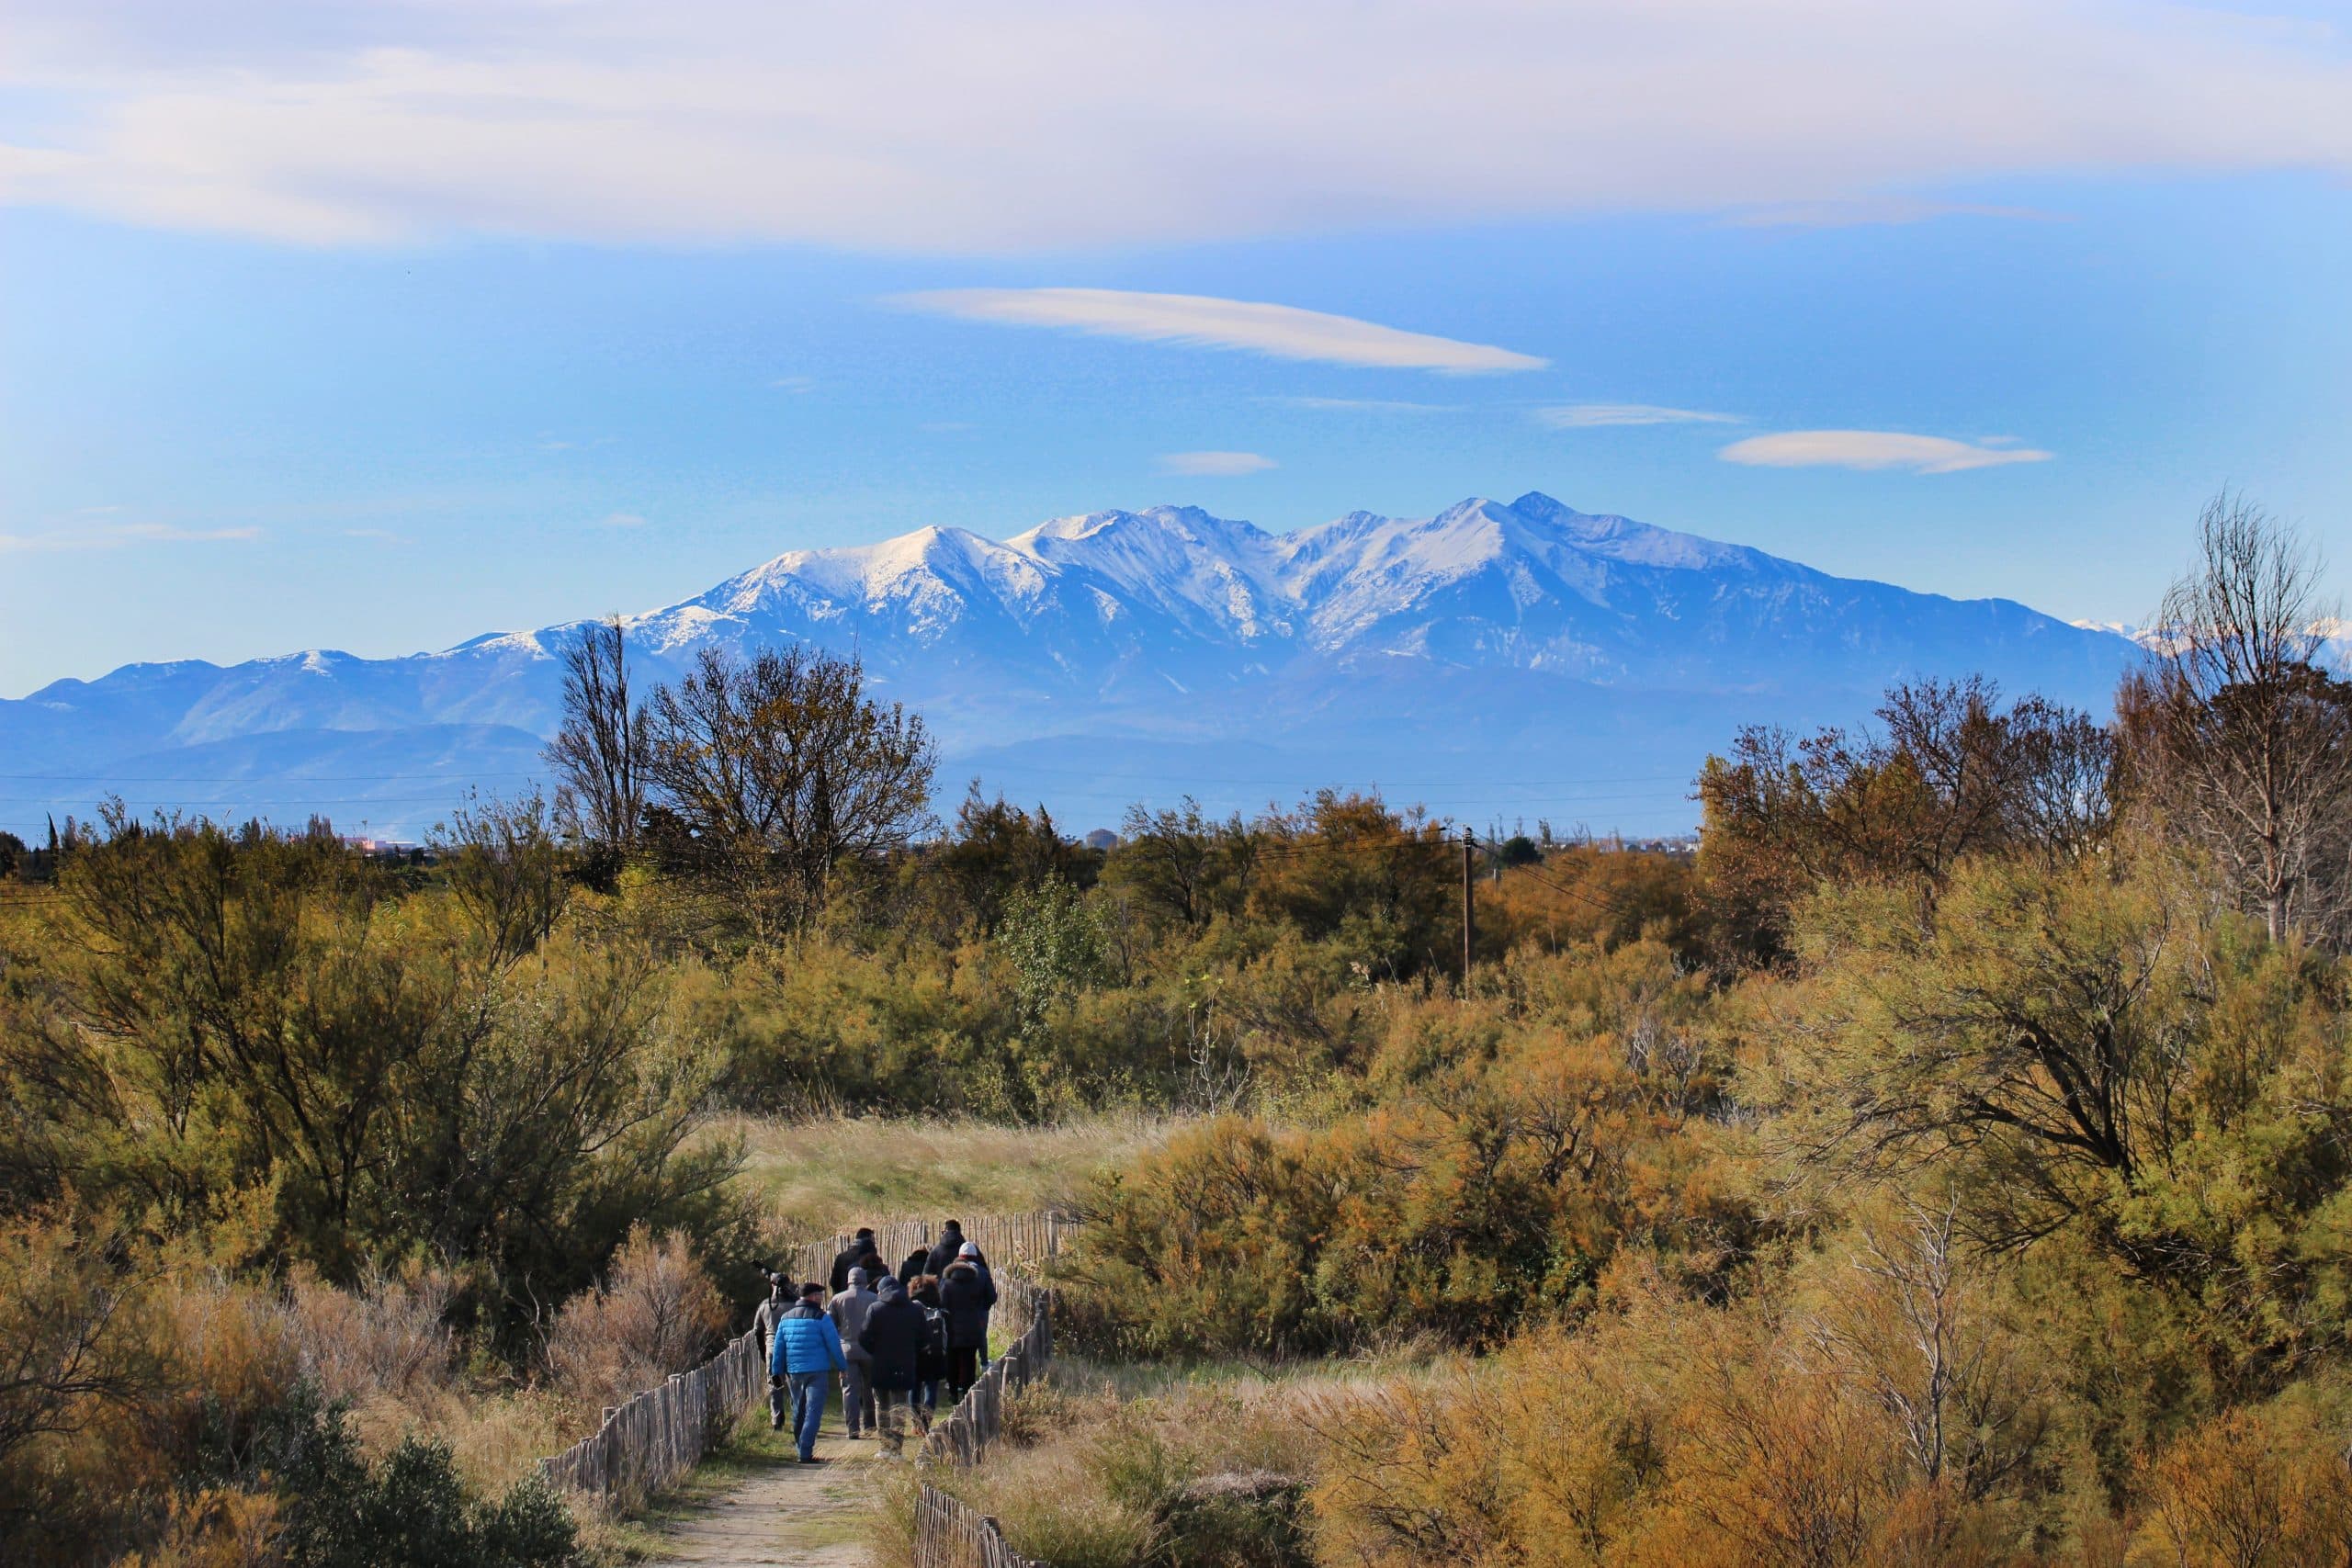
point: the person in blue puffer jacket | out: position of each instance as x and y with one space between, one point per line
807 1349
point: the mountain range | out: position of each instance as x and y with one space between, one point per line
1499 662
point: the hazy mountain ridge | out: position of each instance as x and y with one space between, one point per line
1360 638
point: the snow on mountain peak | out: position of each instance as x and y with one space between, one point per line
1488 626
1623 539
1211 579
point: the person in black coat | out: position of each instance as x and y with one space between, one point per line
950 1242
849 1258
918 1264
966 1294
893 1337
931 1362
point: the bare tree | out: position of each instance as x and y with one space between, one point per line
1922 1342
599 754
776 769
1951 774
2248 743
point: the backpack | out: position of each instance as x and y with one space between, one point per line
934 1333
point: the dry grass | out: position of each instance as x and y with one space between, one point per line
654 1314
383 1350
825 1171
1097 1463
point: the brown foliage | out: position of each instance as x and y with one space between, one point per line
1950 774
2246 1489
771 771
657 1313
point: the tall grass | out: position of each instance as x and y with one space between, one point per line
1171 1465
830 1170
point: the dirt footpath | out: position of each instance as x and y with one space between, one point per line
771 1510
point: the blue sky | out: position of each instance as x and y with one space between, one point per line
378 328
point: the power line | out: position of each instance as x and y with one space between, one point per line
243 805
1289 781
1598 902
1268 781
248 778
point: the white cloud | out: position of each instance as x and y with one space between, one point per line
620 520
1284 332
1592 416
1214 464
794 383
1874 449
1027 126
117 536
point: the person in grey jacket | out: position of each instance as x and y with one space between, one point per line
781 1299
848 1312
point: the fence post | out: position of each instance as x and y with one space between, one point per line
647 1441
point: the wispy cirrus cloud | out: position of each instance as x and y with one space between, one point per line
1016 127
120 536
1284 332
620 520
1214 464
1876 451
1596 416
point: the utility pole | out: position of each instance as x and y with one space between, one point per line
1469 851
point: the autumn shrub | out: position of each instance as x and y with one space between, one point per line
655 1314
1189 1474
200 1014
337 1509
386 1335
831 1024
2249 1489
1506 1150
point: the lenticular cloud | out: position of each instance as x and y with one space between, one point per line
1284 332
1874 449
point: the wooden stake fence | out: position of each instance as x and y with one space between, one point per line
949 1535
648 1442
1006 1241
659 1434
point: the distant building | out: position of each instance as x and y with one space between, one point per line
1102 839
393 852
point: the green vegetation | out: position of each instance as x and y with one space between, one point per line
1945 1164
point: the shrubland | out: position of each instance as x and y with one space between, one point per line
1946 1163
1952 1168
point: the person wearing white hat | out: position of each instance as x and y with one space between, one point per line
967 1291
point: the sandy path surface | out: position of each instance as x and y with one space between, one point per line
778 1511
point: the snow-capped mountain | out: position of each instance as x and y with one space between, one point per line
1493 659
2331 637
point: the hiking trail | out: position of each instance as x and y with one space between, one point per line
772 1511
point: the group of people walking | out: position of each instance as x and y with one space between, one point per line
893 1339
